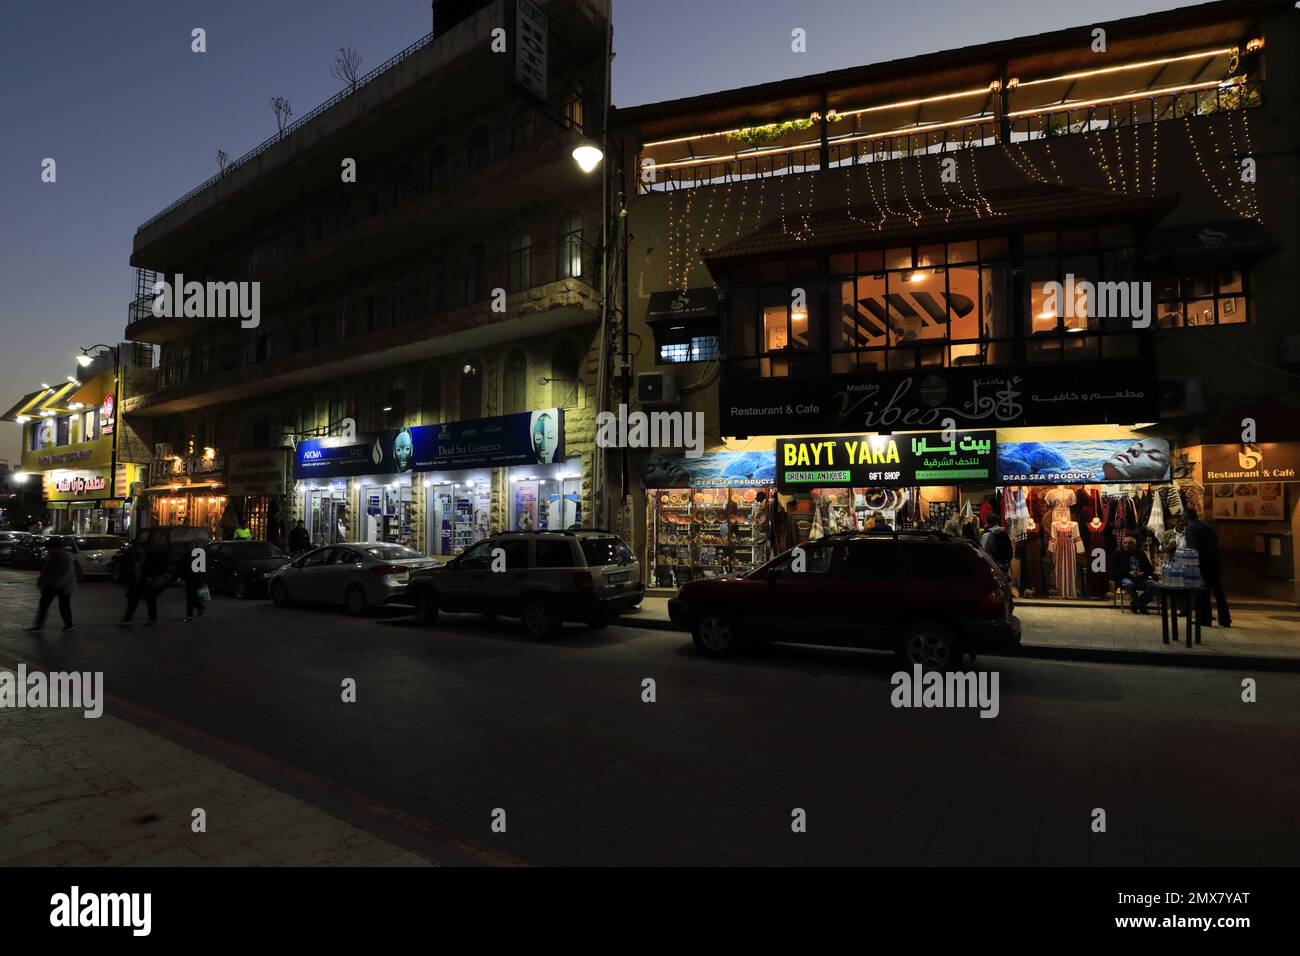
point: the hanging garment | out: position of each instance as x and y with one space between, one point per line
1067 543
1096 583
1030 553
1156 523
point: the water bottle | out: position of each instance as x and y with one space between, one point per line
1173 575
1191 562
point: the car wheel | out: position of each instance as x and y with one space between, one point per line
279 594
355 600
241 589
539 619
426 607
934 646
715 633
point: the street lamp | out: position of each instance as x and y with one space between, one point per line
588 156
84 360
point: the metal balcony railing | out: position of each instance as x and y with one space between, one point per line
408 299
866 147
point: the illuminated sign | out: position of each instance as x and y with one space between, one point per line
874 460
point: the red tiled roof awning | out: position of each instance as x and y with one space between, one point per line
962 215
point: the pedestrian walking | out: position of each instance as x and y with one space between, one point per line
1205 542
146 578
58 579
196 592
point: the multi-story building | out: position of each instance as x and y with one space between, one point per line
1050 277
423 369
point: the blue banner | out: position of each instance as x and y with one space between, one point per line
1101 460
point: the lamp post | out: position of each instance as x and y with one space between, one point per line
84 360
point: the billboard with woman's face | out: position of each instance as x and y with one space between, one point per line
1090 461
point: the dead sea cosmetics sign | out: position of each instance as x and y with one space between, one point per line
874 460
1095 461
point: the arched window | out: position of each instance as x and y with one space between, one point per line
570 247
431 396
479 151
471 390
437 286
437 166
564 374
400 300
523 129
521 261
476 284
514 383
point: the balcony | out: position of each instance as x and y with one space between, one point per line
548 287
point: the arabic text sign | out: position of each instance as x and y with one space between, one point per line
867 461
1093 461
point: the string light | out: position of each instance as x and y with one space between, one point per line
1200 164
915 216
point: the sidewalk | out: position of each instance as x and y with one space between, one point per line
103 792
1102 632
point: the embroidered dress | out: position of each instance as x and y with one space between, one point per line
1064 536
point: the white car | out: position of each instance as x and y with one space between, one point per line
91 553
357 575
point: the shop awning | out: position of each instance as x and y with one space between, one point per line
1237 242
44 399
1044 204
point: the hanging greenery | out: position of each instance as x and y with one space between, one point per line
752 136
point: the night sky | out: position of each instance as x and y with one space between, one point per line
134 119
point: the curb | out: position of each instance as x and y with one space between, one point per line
1098 655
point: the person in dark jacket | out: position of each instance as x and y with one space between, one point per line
1134 574
146 578
58 579
299 539
1205 542
996 543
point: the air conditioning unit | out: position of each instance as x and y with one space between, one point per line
1180 395
162 450
656 388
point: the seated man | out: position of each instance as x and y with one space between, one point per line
1134 574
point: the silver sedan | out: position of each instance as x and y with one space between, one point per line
357 575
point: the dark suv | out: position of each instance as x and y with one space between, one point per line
542 577
926 596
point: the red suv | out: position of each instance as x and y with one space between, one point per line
927 596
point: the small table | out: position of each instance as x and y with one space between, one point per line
1171 596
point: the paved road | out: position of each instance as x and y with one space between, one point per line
451 723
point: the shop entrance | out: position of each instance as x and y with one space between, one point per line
545 497
386 513
327 514
456 511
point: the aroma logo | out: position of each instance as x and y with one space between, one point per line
651 430
1098 300
208 300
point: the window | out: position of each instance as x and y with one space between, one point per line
601 552
479 149
1218 298
437 286
471 391
400 300
344 556
872 561
514 383
340 330
477 557
564 374
931 562
516 550
476 283
521 271
431 396
698 348
437 166
570 247
573 114
817 564
554 553
316 558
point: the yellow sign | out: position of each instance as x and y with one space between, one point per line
83 455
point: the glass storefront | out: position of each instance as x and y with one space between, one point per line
457 505
385 511
545 497
326 512
194 509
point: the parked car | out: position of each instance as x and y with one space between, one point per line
358 575
243 568
927 596
92 553
8 541
29 552
544 578
176 543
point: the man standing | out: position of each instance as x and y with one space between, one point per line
1205 542
58 579
299 539
996 543
1134 574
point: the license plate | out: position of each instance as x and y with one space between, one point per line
618 578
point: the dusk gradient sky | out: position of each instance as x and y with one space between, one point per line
134 119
